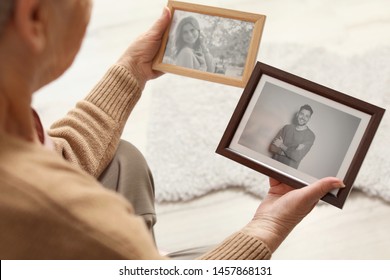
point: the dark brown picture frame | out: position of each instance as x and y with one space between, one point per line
224 15
269 85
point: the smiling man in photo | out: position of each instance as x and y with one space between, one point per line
294 141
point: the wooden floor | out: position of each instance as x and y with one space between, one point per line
359 231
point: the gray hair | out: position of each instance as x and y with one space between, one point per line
6 9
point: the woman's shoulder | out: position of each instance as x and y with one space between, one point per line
185 51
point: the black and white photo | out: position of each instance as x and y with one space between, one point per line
306 129
210 43
298 131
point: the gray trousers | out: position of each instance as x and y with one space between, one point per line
128 174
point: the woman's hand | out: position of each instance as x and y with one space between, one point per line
138 58
202 43
284 207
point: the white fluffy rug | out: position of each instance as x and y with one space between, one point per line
188 118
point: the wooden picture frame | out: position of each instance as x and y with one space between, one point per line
223 57
271 106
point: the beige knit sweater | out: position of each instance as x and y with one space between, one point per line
53 209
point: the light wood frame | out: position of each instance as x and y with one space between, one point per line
233 146
240 81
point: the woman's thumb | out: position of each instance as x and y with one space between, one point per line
320 188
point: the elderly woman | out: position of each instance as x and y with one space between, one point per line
51 205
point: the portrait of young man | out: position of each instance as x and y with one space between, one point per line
294 141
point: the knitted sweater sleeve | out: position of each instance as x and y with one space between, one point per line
239 246
89 134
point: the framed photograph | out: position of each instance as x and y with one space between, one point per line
297 131
210 43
